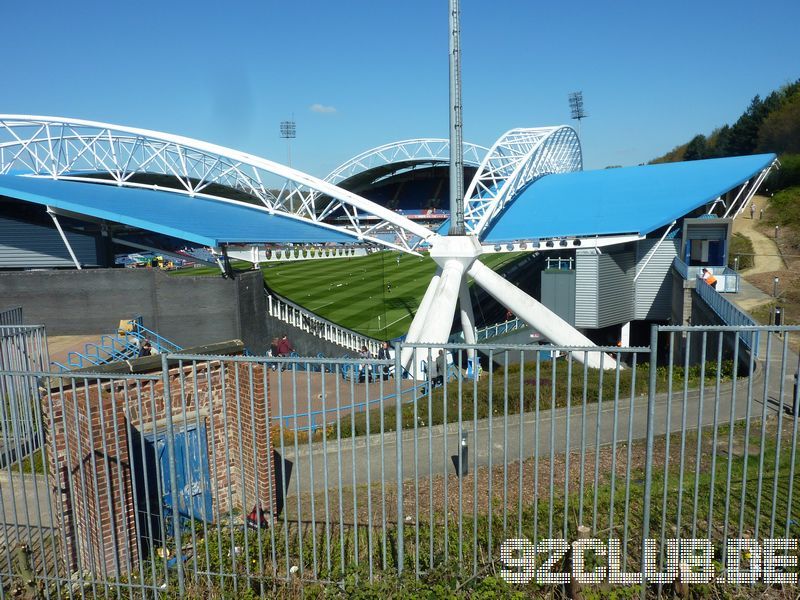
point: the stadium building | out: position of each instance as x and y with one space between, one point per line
613 248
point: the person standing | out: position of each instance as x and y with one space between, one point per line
440 367
284 346
707 275
384 354
364 369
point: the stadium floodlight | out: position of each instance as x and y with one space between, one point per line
576 108
289 132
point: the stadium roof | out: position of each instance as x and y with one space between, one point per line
631 200
194 219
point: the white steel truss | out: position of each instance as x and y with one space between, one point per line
419 150
519 157
74 149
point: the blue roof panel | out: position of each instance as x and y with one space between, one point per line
200 220
634 200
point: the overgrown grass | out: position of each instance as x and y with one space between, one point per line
459 557
507 391
35 462
784 211
742 248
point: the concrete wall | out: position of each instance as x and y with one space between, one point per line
189 311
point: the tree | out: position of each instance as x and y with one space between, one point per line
697 149
780 131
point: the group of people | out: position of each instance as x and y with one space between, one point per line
383 354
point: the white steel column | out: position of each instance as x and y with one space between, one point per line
467 316
625 335
418 322
535 314
64 237
438 319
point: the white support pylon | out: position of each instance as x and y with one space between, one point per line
538 316
467 316
456 257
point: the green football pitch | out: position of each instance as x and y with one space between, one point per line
376 295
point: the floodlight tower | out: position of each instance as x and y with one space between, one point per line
289 132
576 108
456 256
456 143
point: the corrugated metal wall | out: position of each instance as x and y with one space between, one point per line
616 297
654 286
586 288
25 245
604 288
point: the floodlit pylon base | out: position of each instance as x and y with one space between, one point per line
456 257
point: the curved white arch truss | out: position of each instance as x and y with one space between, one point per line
420 149
75 149
517 158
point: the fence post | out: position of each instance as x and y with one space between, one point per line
398 413
173 482
648 463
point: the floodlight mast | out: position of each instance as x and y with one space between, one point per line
289 132
576 108
456 145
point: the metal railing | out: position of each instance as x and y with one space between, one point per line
122 346
727 278
305 320
193 481
730 314
22 348
11 316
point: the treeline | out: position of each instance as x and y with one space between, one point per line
771 124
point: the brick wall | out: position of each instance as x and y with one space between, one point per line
97 470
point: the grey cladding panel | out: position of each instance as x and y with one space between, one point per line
654 285
558 293
25 246
615 299
586 277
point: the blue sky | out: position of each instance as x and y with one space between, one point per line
359 73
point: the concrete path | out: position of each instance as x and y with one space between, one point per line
428 450
767 256
24 499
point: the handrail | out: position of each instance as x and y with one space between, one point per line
295 315
352 408
11 316
727 278
730 314
162 344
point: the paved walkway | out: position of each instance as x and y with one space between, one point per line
767 256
